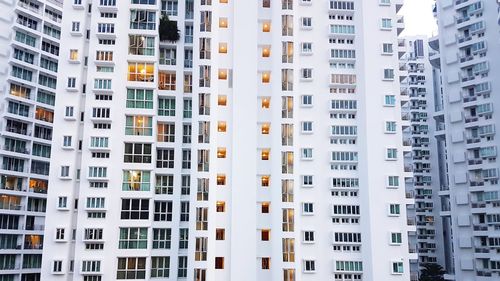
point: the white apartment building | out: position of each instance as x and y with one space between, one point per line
422 160
30 32
470 66
256 147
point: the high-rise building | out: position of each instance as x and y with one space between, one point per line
419 95
468 59
295 170
30 32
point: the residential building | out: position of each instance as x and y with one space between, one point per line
469 63
274 164
30 33
419 96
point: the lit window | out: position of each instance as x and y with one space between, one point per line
221 126
222 48
220 234
265 181
73 54
265 207
265 154
266 77
266 26
221 152
222 100
266 263
265 128
220 206
266 51
266 102
223 22
222 74
143 72
219 262
221 179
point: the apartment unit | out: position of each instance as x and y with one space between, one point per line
421 94
29 48
469 63
261 145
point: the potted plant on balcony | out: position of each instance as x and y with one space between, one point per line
168 30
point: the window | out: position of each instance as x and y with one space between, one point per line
220 206
308 236
390 126
307 100
60 233
288 248
91 266
306 153
142 72
67 141
387 48
397 268
167 80
162 238
307 127
183 238
57 266
309 266
265 207
134 180
306 73
288 221
69 111
166 107
184 216
396 238
133 238
165 158
182 266
307 181
388 74
160 267
307 208
163 211
264 154
62 202
75 26
64 171
220 234
390 100
391 154
201 218
135 209
138 126
131 268
141 45
139 98
201 249
219 262
142 19
386 23
306 22
393 181
137 153
394 209
266 263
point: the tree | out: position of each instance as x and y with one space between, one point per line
432 272
168 30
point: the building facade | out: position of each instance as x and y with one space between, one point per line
261 145
29 48
468 60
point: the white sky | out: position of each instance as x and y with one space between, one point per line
419 19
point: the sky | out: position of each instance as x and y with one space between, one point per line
419 19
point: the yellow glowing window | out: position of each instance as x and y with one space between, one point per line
221 179
265 128
222 100
265 207
266 52
220 206
223 22
221 152
143 72
44 115
266 26
73 54
223 1
222 74
221 126
220 234
265 180
265 234
266 101
265 154
266 77
223 48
